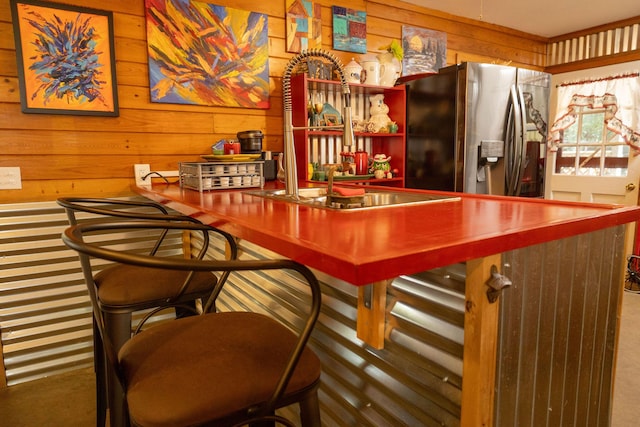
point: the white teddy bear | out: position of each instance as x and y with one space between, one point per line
379 120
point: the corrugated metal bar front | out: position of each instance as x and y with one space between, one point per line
557 331
45 314
415 380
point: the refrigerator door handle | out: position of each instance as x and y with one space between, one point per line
514 151
510 142
522 161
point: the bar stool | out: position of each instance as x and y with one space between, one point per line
226 368
155 289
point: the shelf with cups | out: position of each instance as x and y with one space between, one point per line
357 134
205 176
378 117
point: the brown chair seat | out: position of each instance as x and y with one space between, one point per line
237 358
119 286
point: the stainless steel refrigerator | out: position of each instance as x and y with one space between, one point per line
477 128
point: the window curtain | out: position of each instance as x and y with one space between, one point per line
618 95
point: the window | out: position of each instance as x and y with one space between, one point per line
588 148
595 127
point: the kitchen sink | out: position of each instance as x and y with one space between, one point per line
372 199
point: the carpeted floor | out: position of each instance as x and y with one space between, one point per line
65 400
69 399
626 411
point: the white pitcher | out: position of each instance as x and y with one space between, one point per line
390 69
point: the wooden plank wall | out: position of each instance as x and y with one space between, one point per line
74 155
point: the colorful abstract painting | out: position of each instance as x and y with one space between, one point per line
204 54
304 25
349 29
425 51
65 59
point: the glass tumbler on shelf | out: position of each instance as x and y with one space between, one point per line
317 102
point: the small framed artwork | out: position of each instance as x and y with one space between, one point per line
66 61
303 24
349 29
425 51
331 119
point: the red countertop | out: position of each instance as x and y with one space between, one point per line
365 246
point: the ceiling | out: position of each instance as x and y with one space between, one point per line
534 17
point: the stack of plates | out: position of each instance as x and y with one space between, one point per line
231 157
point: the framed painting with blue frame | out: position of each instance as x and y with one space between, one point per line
205 54
66 61
349 29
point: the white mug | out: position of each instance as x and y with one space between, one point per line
372 72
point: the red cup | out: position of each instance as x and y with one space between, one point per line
362 162
232 147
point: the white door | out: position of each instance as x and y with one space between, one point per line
592 163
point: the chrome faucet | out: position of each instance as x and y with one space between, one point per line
291 173
331 174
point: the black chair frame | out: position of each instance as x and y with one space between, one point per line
111 209
74 238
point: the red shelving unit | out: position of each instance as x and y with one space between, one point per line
325 146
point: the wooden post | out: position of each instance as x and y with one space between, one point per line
186 244
372 301
480 345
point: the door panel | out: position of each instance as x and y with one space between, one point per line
486 104
594 189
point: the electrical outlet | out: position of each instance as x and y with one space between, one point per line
140 171
10 179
